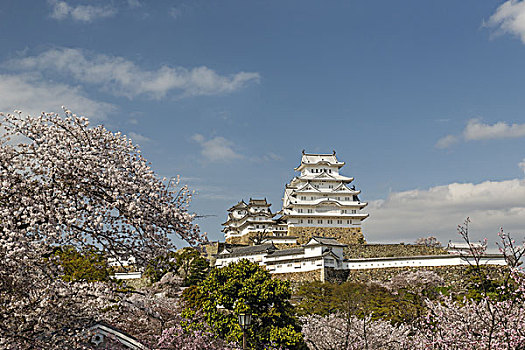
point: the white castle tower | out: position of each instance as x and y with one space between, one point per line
321 202
245 220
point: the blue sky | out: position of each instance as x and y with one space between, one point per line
423 100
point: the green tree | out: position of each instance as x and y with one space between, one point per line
192 266
355 299
187 263
246 287
88 264
160 266
316 298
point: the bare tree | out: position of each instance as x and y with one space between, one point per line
259 237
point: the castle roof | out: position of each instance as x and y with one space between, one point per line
318 159
325 177
248 250
239 205
259 202
317 240
291 251
249 215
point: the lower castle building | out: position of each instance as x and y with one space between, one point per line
323 258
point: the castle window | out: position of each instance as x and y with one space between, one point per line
347 198
310 221
354 211
300 221
319 221
309 210
339 222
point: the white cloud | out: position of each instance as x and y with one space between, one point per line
270 156
405 216
209 191
447 141
122 77
30 94
216 149
476 130
175 12
198 138
509 18
134 3
138 138
522 165
82 13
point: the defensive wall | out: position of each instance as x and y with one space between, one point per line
452 275
365 251
345 235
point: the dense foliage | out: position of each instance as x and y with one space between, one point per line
246 287
401 300
88 264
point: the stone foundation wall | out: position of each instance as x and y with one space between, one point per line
335 276
452 275
244 239
455 275
345 235
299 277
363 251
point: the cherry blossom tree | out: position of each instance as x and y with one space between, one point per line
492 321
66 183
177 338
354 333
484 324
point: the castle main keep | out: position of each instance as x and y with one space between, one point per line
319 201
